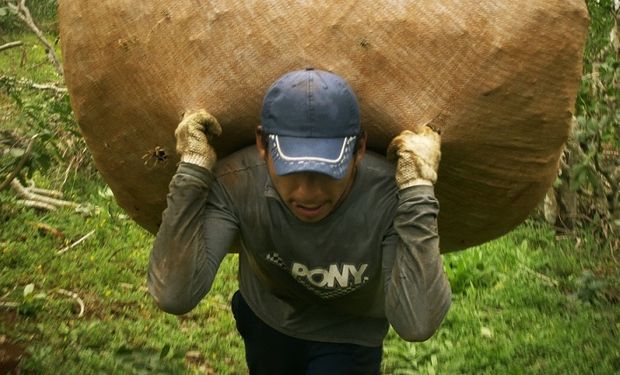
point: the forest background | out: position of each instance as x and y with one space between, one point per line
541 299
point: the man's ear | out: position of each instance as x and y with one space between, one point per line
361 146
261 143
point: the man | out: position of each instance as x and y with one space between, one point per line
334 248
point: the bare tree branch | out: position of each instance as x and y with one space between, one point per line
67 248
48 86
9 304
37 204
24 82
76 297
23 13
11 45
49 193
20 164
29 196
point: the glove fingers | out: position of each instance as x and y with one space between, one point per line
428 129
397 144
192 135
392 150
431 133
203 121
418 156
212 126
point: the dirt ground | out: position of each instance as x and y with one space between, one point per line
10 353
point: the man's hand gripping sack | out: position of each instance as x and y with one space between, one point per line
417 156
192 137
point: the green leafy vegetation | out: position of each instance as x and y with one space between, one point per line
44 11
588 190
121 330
529 302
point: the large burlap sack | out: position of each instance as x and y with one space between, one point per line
499 78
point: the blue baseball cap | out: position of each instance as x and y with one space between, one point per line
312 120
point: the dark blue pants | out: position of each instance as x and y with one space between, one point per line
269 352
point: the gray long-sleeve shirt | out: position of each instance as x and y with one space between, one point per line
374 260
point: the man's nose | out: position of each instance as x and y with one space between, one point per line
309 182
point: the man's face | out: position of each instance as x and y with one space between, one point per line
310 196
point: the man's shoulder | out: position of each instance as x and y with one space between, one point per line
376 180
246 161
377 166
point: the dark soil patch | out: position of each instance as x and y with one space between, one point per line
10 356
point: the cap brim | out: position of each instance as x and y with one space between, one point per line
330 156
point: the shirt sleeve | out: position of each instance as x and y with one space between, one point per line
418 293
196 233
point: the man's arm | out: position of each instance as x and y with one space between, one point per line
194 235
418 293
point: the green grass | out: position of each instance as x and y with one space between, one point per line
26 112
25 62
525 303
121 329
29 60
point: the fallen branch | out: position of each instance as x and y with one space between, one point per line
67 171
20 164
9 304
48 86
67 248
38 86
48 229
68 293
75 297
36 204
11 45
50 193
30 197
23 13
33 196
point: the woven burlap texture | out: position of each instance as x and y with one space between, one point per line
498 78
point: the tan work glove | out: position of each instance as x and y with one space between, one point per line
192 138
417 156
